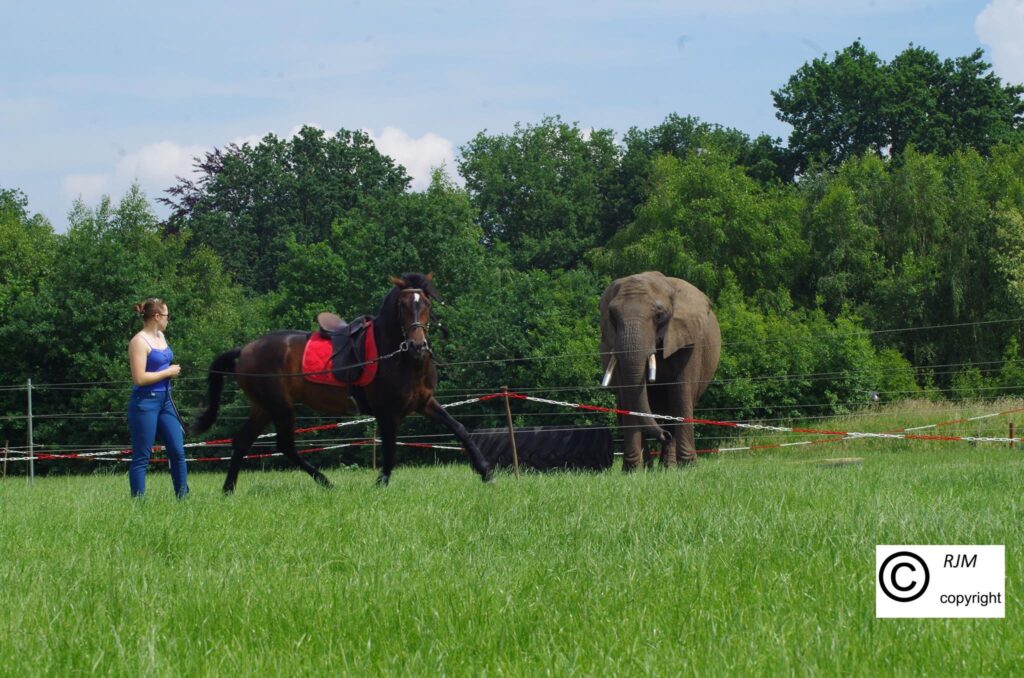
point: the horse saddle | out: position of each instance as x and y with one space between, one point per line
340 353
330 323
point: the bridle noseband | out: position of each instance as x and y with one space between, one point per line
416 301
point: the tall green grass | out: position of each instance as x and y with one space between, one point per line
759 563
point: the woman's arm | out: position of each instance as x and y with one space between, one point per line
137 352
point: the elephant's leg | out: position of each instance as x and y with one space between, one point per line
668 448
686 448
631 446
661 399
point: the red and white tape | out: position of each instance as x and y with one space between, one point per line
850 435
122 454
833 436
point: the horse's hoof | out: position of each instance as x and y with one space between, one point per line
383 480
488 475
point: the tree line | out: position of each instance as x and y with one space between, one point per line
879 250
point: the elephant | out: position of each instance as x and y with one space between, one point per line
665 325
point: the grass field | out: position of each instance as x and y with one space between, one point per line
745 564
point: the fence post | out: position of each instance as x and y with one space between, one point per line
31 442
374 459
511 432
1011 434
7 447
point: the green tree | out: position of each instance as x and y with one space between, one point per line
1011 372
834 107
856 103
763 158
895 378
547 191
111 257
26 251
844 263
706 221
248 202
433 231
534 330
932 244
788 362
970 384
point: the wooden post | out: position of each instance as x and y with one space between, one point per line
1011 434
31 439
374 447
6 448
511 432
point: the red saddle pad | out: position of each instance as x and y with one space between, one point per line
316 365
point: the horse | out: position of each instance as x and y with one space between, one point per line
269 371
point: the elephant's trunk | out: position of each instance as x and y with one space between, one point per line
633 358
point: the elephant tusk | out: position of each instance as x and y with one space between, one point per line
652 370
608 373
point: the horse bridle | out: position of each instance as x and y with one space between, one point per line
416 315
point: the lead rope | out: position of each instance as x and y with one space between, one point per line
404 346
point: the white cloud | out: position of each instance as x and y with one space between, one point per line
251 139
1000 26
88 187
155 167
255 139
157 164
418 156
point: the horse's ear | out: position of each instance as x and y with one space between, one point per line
431 290
399 283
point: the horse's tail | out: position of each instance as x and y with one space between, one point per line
222 364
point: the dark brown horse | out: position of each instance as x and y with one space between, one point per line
269 371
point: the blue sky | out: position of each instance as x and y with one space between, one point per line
96 95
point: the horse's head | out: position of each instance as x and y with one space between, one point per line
413 304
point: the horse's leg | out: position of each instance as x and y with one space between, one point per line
284 422
387 427
253 426
434 410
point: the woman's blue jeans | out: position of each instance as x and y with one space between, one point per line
152 413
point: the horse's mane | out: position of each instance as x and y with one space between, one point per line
420 281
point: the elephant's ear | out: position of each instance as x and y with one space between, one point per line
690 310
607 329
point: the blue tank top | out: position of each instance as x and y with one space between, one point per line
157 360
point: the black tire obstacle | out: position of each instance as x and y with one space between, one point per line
548 448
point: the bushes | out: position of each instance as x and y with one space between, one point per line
782 361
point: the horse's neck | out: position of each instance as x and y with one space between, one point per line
388 338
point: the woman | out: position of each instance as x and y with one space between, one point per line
150 410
